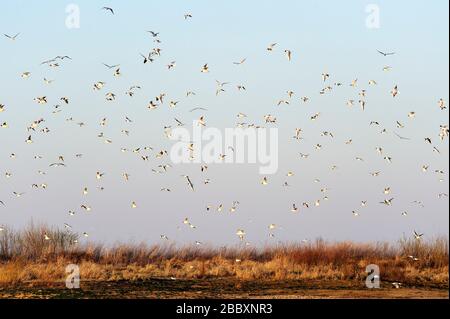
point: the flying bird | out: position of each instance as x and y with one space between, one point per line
418 236
205 68
288 54
108 9
12 38
395 91
402 137
271 47
153 34
111 66
385 53
240 62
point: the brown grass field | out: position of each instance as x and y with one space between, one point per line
32 267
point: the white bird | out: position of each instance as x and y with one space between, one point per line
201 121
385 53
304 155
18 195
387 202
395 91
396 285
241 234
271 47
41 100
442 104
110 96
171 65
265 181
86 208
288 54
240 62
117 72
418 236
147 58
205 68
12 38
47 81
99 85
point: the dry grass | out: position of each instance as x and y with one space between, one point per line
26 256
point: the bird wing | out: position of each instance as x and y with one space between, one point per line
190 183
108 9
402 137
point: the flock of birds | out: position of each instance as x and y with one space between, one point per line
144 153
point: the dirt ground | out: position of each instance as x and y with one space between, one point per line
218 289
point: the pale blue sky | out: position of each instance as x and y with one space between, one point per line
325 36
